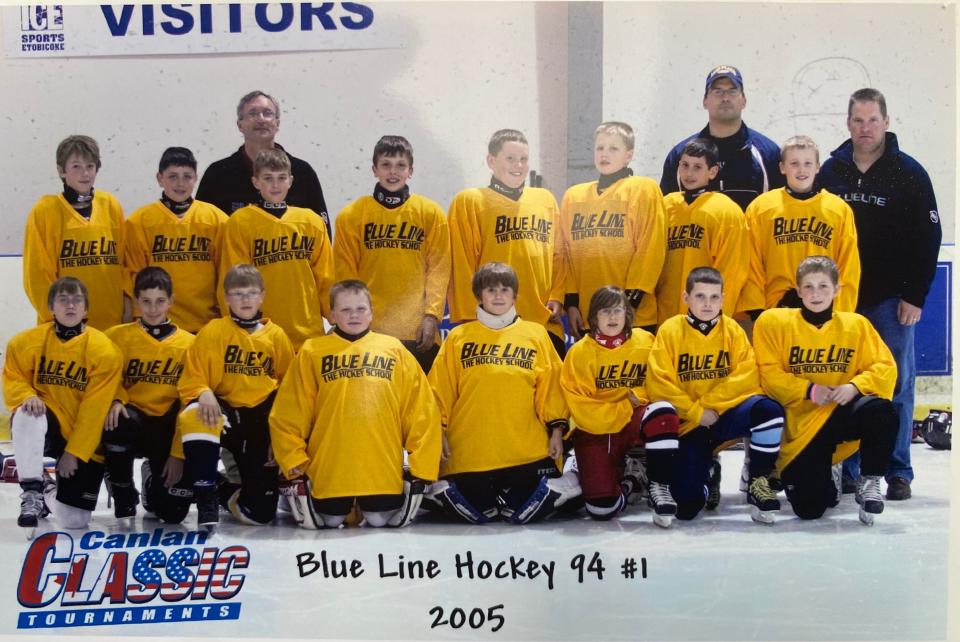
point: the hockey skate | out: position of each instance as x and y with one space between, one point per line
32 509
662 503
208 507
870 498
763 500
836 473
713 485
634 483
125 500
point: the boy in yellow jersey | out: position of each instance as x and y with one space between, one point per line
143 417
288 245
510 223
835 376
397 243
227 388
702 364
77 233
181 235
497 381
603 382
793 222
351 404
703 228
611 231
58 381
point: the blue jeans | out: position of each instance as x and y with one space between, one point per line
899 338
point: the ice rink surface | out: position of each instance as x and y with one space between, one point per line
720 577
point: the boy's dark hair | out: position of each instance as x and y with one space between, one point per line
275 160
393 146
609 296
703 274
82 146
818 264
867 95
702 148
355 286
491 274
242 275
502 136
255 94
152 277
67 285
177 157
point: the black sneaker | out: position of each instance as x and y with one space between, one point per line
898 488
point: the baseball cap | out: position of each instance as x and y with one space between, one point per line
724 71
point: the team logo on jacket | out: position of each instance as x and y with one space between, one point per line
934 217
684 236
249 363
101 251
473 354
819 360
605 224
282 248
405 236
56 372
522 228
697 367
102 579
165 372
352 366
180 248
621 375
802 230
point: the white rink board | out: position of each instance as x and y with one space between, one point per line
721 577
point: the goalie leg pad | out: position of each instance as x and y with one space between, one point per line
446 493
412 497
28 439
550 494
297 492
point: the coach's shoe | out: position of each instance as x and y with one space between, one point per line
662 503
869 498
898 488
713 485
763 500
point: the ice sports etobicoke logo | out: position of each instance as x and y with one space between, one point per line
155 577
41 27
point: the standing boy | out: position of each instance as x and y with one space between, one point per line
397 243
611 232
703 228
792 223
288 245
227 389
58 381
181 235
77 233
703 365
143 417
835 376
352 403
513 224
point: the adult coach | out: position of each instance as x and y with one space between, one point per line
898 230
228 184
749 161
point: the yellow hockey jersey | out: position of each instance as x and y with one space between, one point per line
596 381
497 390
346 411
711 232
696 372
240 367
76 379
151 368
294 257
793 353
59 242
486 226
785 230
615 238
188 248
402 254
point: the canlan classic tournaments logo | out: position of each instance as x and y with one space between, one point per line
41 27
128 578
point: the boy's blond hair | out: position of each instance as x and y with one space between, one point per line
799 142
274 160
503 136
616 128
80 145
242 275
818 265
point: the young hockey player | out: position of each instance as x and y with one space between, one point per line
611 231
58 381
835 376
227 389
497 381
793 222
351 404
288 245
142 420
704 366
703 228
512 224
77 233
602 380
181 235
397 243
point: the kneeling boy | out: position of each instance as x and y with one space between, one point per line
352 403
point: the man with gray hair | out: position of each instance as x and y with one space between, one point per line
228 184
